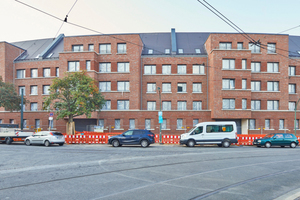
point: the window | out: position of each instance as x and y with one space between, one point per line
34 73
57 71
11 121
272 67
179 123
180 51
33 90
91 47
181 69
106 106
297 123
105 48
77 48
244 64
33 106
239 45
46 89
292 105
255 66
121 48
292 88
271 48
292 71
101 123
244 84
147 123
197 87
225 45
267 123
105 86
181 105
123 67
88 65
73 66
281 124
198 69
104 67
252 124
195 122
123 105
50 124
123 85
273 86
21 73
46 72
272 105
228 104
164 124
117 124
255 104
181 87
150 69
228 84
150 51
20 90
255 48
166 69
37 123
151 105
151 87
166 105
197 105
255 85
198 51
167 51
244 104
131 123
166 87
228 64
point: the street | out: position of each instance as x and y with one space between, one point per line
157 172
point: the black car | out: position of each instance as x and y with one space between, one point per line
140 137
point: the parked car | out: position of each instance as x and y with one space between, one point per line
277 139
140 137
46 137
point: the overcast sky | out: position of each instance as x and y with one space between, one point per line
19 22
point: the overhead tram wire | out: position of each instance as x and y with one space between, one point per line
89 29
235 27
65 20
289 29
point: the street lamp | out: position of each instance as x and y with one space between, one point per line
159 116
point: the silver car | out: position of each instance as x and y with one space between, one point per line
46 137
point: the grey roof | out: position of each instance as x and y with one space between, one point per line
34 48
186 41
294 46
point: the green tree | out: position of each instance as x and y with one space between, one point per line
9 98
74 95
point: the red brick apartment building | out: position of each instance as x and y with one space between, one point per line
191 77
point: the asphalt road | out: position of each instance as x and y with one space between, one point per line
157 172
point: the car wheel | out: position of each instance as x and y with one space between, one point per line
293 145
226 143
61 144
27 142
8 140
268 145
115 143
47 143
190 143
144 143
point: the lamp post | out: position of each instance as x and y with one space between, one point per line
159 116
295 124
22 94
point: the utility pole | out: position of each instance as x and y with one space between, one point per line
160 119
21 109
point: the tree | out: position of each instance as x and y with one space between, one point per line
9 99
74 95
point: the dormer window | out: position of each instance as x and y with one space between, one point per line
180 50
150 51
167 51
49 55
197 51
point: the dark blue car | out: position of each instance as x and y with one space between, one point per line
140 137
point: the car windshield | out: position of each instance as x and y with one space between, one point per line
269 136
57 133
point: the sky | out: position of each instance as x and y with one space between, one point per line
19 22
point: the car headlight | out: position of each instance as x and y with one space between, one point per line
259 141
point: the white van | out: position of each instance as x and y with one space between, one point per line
220 133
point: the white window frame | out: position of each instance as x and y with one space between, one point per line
105 67
197 87
151 87
228 104
104 86
181 105
267 124
244 104
123 66
272 67
104 48
255 86
271 48
292 71
255 66
182 87
33 106
131 124
34 73
122 48
88 65
21 73
151 105
107 105
147 124
77 48
22 88
150 69
179 123
46 89
225 45
123 104
198 69
33 90
273 86
252 124
228 84
73 66
255 48
292 88
197 105
272 105
181 69
255 104
244 84
292 105
228 64
123 86
166 69
166 88
166 105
